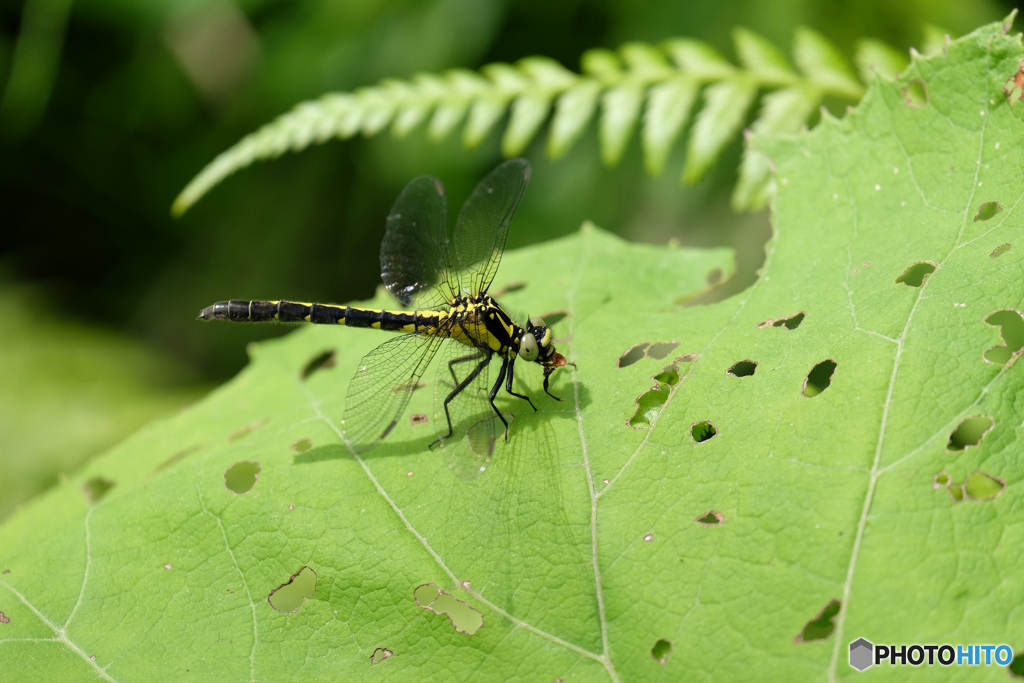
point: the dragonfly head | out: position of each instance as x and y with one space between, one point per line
537 345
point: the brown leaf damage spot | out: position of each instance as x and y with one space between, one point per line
242 476
1000 250
4 619
821 626
380 654
290 595
711 518
916 94
463 617
789 322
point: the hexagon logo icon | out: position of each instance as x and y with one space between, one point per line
861 652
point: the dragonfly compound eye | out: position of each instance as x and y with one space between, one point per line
528 350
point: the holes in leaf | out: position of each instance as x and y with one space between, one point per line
632 355
1011 325
970 432
650 403
821 626
1014 86
914 275
790 323
463 617
554 317
180 455
380 654
239 433
1000 250
744 368
96 488
982 486
242 476
648 538
956 492
819 378
322 361
302 445
4 619
510 287
417 419
941 480
661 651
916 94
660 350
987 210
711 518
702 431
289 596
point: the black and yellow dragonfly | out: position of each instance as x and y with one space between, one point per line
445 279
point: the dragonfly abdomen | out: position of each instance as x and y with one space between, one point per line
321 314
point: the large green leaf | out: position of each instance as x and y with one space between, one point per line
794 477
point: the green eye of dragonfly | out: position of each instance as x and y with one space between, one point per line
444 278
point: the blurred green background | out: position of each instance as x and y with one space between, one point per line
109 107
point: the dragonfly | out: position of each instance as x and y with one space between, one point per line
444 277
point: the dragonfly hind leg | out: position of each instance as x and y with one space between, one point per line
460 386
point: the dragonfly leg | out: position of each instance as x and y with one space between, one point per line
506 367
508 385
461 386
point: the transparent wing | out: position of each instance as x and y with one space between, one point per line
415 262
382 387
482 227
475 427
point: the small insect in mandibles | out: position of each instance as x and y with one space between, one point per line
445 280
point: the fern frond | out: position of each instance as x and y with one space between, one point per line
653 87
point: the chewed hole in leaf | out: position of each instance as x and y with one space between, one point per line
956 492
97 487
987 210
942 479
463 617
661 651
289 596
322 361
660 350
970 432
1011 325
1000 250
744 368
702 431
242 476
819 378
914 275
380 654
302 445
790 323
552 318
632 355
711 518
417 419
916 94
821 626
650 403
982 486
247 429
